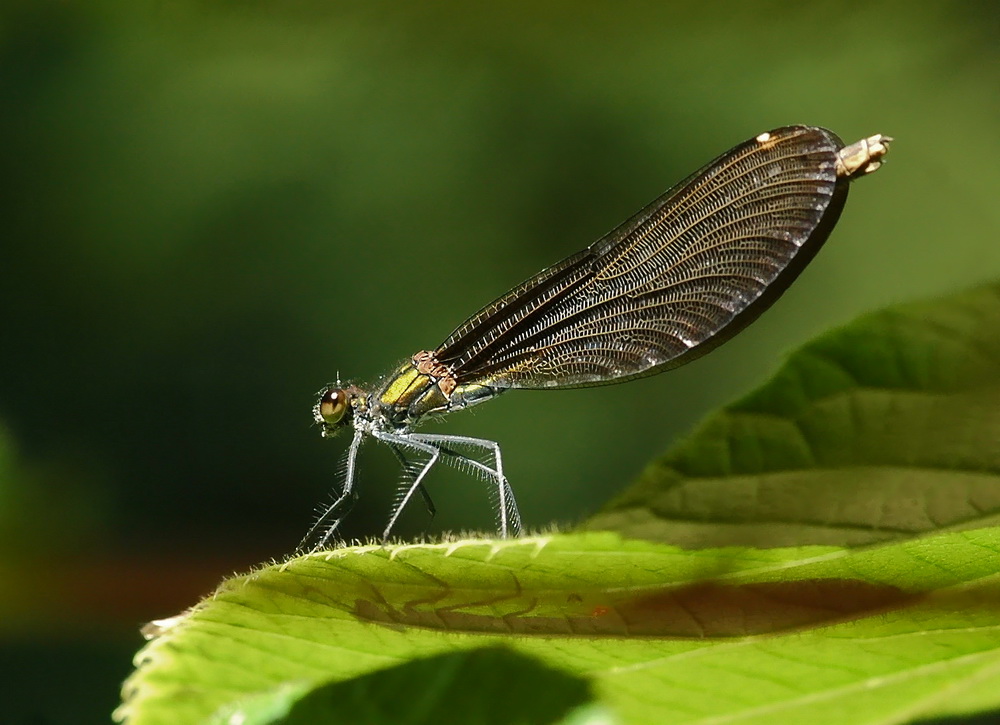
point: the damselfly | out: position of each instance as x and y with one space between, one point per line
677 279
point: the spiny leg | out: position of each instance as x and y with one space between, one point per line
422 489
508 514
406 441
506 505
341 506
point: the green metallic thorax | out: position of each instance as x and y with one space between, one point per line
408 395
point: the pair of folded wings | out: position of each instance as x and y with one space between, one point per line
677 279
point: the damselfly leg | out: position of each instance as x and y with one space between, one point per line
326 525
508 516
407 441
436 447
409 475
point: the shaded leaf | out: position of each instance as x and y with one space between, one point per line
880 430
488 686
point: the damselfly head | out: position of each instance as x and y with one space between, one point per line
335 407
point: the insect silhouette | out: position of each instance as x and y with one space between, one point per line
677 279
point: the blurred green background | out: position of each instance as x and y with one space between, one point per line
210 209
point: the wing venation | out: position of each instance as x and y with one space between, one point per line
677 279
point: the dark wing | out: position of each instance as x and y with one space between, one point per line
676 280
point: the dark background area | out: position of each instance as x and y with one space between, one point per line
208 211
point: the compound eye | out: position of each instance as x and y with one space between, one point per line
333 405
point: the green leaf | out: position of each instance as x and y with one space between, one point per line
875 450
878 431
460 687
748 634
